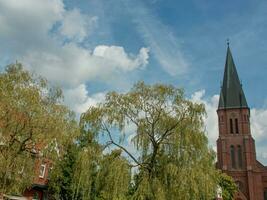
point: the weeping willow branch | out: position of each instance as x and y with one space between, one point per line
121 147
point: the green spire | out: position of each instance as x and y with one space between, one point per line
232 95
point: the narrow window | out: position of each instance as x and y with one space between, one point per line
236 125
239 152
42 170
233 156
265 194
231 126
244 118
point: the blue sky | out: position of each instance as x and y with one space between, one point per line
94 46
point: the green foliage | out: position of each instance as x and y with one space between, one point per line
174 159
114 177
228 186
84 173
32 122
171 160
62 174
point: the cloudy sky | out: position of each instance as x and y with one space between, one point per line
94 46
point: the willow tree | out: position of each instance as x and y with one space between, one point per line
84 172
113 178
171 155
33 122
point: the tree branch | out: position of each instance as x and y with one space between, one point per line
121 147
166 134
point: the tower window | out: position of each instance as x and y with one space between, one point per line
239 152
231 126
236 125
232 152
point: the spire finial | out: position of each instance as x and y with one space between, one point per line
228 42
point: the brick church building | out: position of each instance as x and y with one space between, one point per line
235 146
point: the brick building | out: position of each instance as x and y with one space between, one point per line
235 146
38 189
42 166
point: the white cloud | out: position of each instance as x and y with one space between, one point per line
28 24
46 38
117 56
210 120
258 123
15 15
79 100
71 65
77 26
25 25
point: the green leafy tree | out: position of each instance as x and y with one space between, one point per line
84 172
74 172
113 178
172 155
229 188
33 123
61 177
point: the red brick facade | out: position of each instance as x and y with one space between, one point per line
237 155
39 186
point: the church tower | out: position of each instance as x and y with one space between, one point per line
235 146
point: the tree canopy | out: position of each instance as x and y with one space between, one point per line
172 156
148 143
33 122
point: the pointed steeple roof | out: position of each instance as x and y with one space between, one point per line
232 95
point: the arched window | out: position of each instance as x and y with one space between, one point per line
231 126
232 152
239 152
236 125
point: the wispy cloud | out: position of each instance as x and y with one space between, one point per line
164 45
